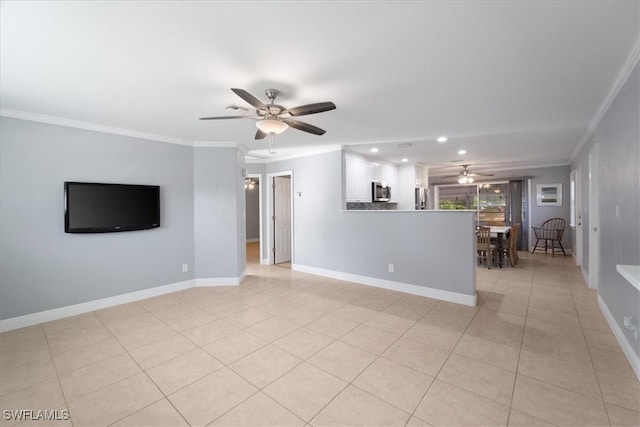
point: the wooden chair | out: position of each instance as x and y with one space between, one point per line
511 245
550 231
485 249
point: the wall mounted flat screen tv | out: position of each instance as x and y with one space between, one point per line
104 208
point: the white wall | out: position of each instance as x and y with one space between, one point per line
618 134
429 249
252 197
219 213
42 267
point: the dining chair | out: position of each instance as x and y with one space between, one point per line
550 232
486 250
511 245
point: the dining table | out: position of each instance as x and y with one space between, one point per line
498 232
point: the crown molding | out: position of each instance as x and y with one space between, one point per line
214 144
621 79
304 152
250 160
60 121
220 144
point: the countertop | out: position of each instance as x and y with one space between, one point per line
631 273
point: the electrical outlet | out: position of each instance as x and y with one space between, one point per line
630 324
391 268
185 268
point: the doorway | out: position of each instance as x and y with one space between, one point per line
280 229
253 218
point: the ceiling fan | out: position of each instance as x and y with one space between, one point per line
273 119
465 176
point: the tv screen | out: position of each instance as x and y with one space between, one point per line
103 208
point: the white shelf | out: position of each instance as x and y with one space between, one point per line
631 273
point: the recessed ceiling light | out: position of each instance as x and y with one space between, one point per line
442 139
374 150
461 152
405 160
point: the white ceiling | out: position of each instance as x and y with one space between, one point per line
515 83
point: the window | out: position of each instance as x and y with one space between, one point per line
492 202
489 200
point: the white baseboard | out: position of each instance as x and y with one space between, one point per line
257 239
632 357
391 285
85 307
585 276
220 281
265 261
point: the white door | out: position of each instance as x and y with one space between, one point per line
594 217
282 219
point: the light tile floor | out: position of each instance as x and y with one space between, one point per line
286 348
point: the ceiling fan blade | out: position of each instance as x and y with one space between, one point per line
305 127
250 98
482 174
319 107
450 176
226 117
260 134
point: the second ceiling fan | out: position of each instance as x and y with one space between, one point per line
273 119
465 176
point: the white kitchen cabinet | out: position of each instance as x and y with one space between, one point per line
422 177
410 177
360 172
376 172
390 177
358 179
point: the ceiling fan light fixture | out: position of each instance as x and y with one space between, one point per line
272 126
465 180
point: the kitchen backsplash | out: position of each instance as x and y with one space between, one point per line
374 206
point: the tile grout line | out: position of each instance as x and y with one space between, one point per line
378 356
142 370
563 360
55 367
435 377
595 371
524 328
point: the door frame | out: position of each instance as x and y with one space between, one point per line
575 176
270 212
594 217
579 229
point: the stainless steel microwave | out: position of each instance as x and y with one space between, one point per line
380 192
